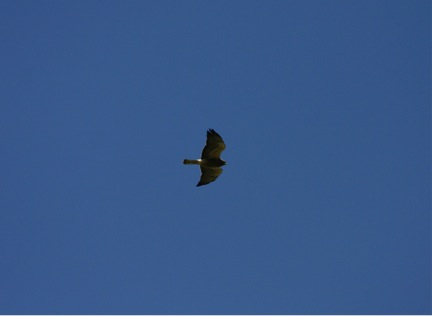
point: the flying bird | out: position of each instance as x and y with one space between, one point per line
210 162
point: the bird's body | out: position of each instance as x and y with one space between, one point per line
210 161
213 162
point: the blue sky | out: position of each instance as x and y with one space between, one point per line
324 206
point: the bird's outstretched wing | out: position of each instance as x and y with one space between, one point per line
209 174
214 145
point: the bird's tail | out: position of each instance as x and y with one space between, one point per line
190 162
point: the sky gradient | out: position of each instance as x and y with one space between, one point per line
324 206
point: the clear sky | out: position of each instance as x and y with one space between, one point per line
324 205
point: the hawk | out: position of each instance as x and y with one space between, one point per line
210 162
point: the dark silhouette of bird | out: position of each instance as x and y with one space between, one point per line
210 162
